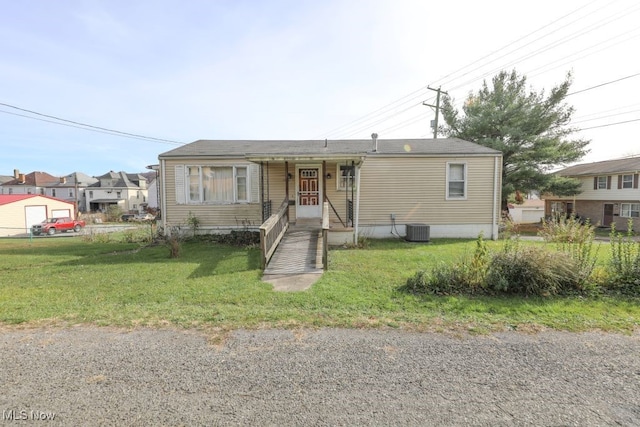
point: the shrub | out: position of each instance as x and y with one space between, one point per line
239 238
573 236
624 264
193 222
561 229
463 277
533 271
444 279
114 212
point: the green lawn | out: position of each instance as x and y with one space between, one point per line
67 281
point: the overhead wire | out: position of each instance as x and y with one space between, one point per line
72 123
581 32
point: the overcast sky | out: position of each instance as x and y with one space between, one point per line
181 71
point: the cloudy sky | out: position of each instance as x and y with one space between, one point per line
146 76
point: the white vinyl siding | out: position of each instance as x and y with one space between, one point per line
456 181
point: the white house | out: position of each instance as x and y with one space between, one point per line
128 191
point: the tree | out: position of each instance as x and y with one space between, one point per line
530 129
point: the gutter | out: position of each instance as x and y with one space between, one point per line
496 183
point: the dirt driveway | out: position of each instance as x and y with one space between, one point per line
94 376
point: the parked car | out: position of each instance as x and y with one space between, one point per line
137 217
53 225
144 217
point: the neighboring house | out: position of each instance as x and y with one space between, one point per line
153 187
610 193
128 191
72 189
153 194
374 187
530 211
3 179
18 212
31 183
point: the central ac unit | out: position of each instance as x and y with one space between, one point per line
417 233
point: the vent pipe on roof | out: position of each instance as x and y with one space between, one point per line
325 143
16 173
374 136
21 178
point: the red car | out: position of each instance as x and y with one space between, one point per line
53 225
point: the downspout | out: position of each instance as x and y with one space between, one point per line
356 218
163 202
494 219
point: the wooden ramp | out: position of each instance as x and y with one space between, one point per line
299 252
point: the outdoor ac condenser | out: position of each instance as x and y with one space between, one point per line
417 233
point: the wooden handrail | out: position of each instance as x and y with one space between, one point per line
325 235
272 231
335 211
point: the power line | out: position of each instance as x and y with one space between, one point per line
84 126
581 32
610 124
604 84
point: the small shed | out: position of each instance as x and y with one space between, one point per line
531 211
18 212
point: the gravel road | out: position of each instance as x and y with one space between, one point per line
97 376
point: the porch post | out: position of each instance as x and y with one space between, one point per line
356 214
262 202
324 181
286 186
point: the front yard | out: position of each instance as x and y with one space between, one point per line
73 281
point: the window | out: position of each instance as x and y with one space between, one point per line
29 191
456 181
627 181
53 192
90 194
118 194
346 176
70 192
217 184
630 210
601 183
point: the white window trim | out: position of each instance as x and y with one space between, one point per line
604 187
630 182
187 192
449 197
339 178
629 210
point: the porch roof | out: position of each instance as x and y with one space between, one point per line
353 149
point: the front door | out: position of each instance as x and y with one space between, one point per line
608 214
308 203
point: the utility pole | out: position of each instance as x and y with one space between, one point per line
437 107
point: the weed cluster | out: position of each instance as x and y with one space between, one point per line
518 270
624 264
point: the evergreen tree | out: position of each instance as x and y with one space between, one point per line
530 129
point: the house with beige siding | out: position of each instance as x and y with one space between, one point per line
609 193
18 212
374 188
